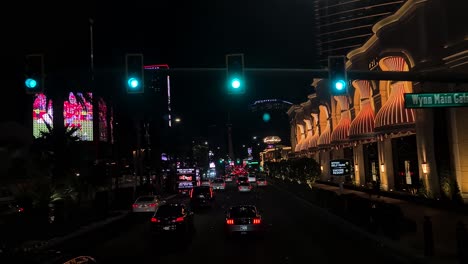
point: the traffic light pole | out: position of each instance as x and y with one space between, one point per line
427 76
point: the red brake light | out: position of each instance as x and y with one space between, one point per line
257 221
154 220
153 205
230 221
21 209
135 205
211 193
191 193
179 219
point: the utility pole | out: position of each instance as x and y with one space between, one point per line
138 159
229 127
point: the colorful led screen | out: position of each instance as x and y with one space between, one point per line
102 120
42 114
78 112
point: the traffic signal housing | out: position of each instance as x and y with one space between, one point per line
134 69
337 75
34 74
235 82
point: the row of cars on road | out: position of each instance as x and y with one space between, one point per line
179 218
168 217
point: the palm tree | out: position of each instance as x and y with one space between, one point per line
58 158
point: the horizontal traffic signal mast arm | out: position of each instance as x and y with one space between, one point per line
442 77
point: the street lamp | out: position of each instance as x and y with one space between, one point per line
254 137
177 120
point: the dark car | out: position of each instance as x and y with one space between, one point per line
201 196
243 219
242 179
171 218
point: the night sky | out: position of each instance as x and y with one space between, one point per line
271 34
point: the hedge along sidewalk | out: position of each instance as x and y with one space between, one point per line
412 244
443 223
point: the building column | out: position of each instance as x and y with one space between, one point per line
325 165
425 148
293 137
387 178
459 148
337 153
360 173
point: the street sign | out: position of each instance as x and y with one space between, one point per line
340 167
431 100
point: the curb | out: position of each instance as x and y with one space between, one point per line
48 244
398 251
83 230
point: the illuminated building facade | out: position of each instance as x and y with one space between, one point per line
343 25
406 150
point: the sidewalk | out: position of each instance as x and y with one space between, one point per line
113 216
443 225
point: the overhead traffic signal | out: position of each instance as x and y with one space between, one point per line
34 74
235 82
337 75
134 69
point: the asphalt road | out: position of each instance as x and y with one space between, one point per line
297 232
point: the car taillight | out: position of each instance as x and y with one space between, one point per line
191 193
152 205
250 186
154 220
230 221
257 221
179 219
135 205
211 193
21 209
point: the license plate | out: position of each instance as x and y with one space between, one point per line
243 228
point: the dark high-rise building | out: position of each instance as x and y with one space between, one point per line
343 25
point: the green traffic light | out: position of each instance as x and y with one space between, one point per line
235 83
340 85
133 83
30 83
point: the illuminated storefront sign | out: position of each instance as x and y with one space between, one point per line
340 167
272 140
430 100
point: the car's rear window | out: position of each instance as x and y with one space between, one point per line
244 184
243 211
145 199
218 181
242 178
169 210
261 179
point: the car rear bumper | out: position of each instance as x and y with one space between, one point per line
159 229
239 229
144 210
